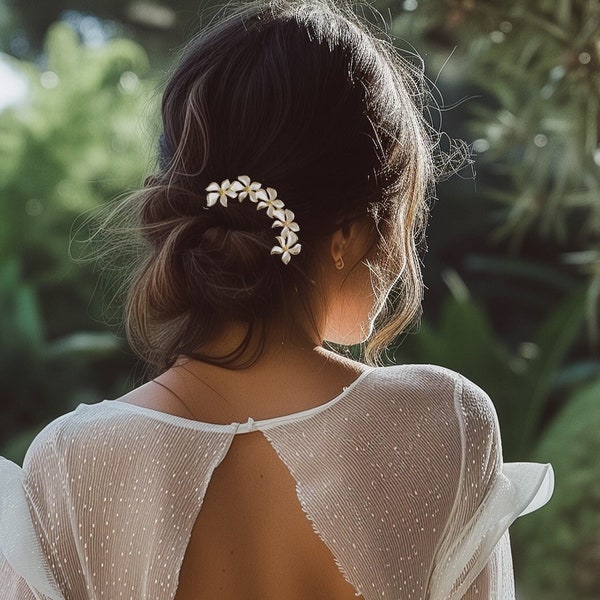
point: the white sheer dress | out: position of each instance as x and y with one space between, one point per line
401 476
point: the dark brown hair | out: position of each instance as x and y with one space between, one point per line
304 97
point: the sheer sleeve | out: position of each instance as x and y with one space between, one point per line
42 553
473 558
24 570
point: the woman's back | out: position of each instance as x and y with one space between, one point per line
401 475
252 538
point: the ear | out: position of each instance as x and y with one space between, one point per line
342 239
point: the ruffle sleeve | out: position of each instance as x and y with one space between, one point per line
24 572
473 559
532 484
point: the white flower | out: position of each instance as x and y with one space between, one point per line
244 187
287 246
253 189
271 203
220 192
285 219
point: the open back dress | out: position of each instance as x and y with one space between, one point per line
400 476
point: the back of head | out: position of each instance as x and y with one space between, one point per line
305 98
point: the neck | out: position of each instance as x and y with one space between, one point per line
266 388
283 342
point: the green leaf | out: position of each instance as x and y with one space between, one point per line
555 564
555 336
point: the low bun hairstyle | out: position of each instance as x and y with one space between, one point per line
301 96
202 267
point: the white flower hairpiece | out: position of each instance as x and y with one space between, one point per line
244 187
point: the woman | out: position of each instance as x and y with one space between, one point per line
291 196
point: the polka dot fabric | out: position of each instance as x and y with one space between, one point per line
401 476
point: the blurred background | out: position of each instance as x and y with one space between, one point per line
512 271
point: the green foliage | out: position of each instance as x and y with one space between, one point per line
42 377
79 140
539 66
159 25
22 333
564 562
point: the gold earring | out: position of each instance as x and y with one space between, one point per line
339 263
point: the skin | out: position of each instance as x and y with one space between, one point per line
351 300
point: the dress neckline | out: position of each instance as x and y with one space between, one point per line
235 427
